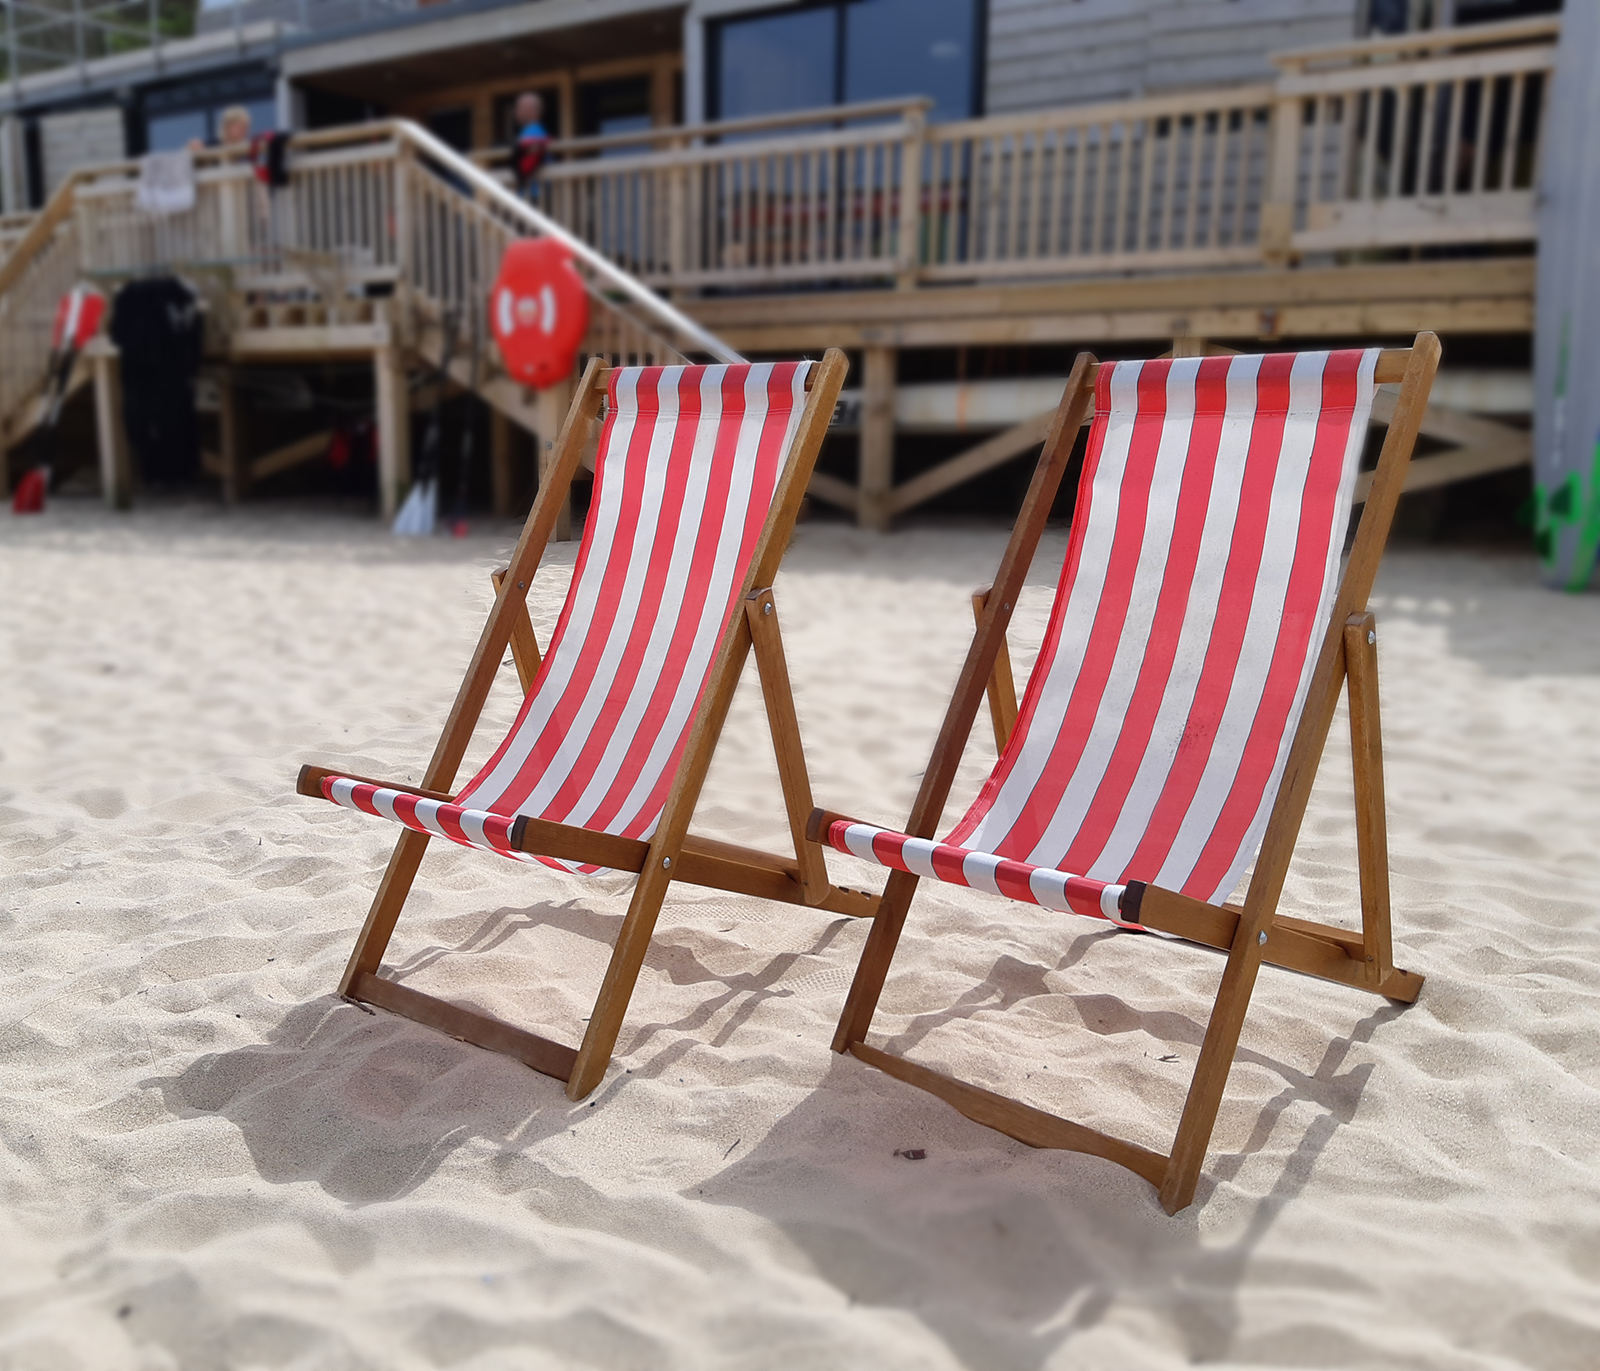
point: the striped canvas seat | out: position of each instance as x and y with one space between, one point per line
688 463
1201 571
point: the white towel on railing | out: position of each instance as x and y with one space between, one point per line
166 182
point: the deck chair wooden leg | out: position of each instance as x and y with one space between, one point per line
762 615
385 911
622 974
1212 1067
1366 751
873 968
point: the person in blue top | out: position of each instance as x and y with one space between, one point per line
532 143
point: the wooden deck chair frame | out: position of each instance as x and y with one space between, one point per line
1250 934
671 854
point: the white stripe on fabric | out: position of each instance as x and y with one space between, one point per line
1350 465
979 870
652 491
858 838
556 673
671 606
472 827
713 613
1077 619
1265 622
1133 642
344 793
1199 624
1111 902
383 802
917 854
1049 889
722 581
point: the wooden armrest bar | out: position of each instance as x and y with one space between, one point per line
310 781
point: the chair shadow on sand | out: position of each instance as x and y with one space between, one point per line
369 1105
1001 1279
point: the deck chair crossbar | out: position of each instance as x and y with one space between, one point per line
1251 933
660 849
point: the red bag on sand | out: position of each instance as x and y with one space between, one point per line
28 498
539 311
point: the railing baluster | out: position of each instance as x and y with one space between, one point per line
1508 162
1486 87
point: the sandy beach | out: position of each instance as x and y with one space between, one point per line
207 1160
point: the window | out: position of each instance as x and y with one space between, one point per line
844 51
453 127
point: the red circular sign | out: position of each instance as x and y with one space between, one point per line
539 311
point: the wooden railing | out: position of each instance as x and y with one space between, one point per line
1422 139
1426 139
376 218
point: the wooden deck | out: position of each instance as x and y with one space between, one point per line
1374 190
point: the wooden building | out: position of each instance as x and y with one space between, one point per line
961 201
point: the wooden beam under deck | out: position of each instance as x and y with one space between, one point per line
1485 295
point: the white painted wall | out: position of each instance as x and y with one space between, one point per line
82 138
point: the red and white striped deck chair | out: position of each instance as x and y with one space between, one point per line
699 474
1172 724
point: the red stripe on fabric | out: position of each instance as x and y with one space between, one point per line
1015 879
1295 633
497 831
889 848
690 610
563 620
449 819
768 465
836 835
405 808
1166 626
1105 635
496 803
645 613
609 604
1083 896
1228 627
362 797
1045 663
949 864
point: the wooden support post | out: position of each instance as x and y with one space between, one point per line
761 612
500 442
908 228
1002 685
1366 755
877 437
236 471
552 405
116 470
1276 232
394 429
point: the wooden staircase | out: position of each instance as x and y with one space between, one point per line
384 241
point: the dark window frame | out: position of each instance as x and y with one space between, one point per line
715 27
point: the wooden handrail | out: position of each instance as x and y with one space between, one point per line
1425 41
665 134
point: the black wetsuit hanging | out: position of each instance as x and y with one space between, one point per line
157 327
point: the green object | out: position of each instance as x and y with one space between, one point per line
1570 505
